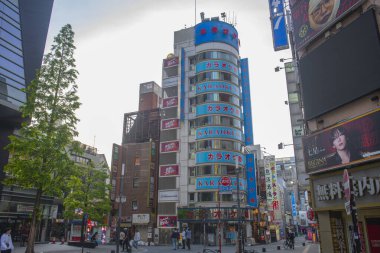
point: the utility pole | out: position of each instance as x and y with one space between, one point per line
237 171
121 201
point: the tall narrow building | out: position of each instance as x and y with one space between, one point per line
23 30
206 105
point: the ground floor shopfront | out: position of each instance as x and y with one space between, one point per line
334 224
210 226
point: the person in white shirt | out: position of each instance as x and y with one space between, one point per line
6 241
136 239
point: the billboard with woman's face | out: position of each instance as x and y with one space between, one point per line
310 17
351 142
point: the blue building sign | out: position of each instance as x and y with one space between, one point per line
218 132
294 206
216 31
216 65
218 87
248 133
279 32
218 108
212 183
219 157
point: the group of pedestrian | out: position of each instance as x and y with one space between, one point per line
184 238
126 239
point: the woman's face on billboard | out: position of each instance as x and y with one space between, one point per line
340 141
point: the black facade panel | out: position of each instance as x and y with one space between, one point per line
167 208
170 113
168 158
35 19
167 183
344 68
168 135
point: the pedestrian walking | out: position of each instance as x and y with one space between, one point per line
174 236
6 241
126 240
188 238
184 238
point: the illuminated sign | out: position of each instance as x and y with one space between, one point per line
311 17
218 108
357 140
170 146
169 170
167 221
216 31
217 86
218 132
210 183
169 124
279 32
171 62
216 65
219 157
170 102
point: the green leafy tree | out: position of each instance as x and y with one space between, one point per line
89 191
39 154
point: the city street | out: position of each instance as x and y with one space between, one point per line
57 248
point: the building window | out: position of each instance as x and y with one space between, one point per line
191 150
206 196
192 63
191 197
192 172
137 161
134 205
136 182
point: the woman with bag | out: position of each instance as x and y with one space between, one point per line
6 241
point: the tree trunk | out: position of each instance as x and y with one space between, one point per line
35 216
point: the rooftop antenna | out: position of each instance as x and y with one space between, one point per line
223 14
195 13
229 17
202 16
233 18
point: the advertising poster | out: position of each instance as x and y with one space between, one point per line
269 162
171 62
169 124
351 142
279 32
169 170
170 102
170 146
167 221
310 17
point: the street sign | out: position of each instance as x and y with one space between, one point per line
347 191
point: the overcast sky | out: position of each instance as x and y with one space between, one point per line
121 43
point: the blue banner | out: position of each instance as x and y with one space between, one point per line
219 132
294 206
246 96
216 65
279 32
251 181
218 108
217 86
216 31
219 157
208 183
183 91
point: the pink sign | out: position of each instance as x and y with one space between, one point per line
170 102
171 146
165 221
169 124
169 170
171 62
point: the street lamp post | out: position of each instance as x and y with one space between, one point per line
237 171
121 199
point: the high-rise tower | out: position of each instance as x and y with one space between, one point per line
202 137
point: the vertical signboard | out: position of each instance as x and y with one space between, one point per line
269 162
248 133
277 17
182 90
294 206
